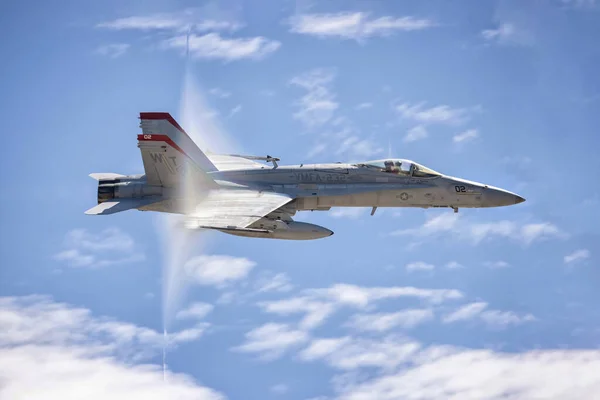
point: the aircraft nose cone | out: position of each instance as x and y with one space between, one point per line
519 199
496 197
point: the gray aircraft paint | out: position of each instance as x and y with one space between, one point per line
289 188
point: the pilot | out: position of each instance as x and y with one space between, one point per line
389 166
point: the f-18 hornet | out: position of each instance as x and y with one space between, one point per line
239 195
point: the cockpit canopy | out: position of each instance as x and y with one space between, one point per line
400 167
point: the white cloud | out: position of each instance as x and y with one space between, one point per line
349 353
112 50
319 304
212 46
496 264
51 350
235 110
112 239
197 310
476 232
316 150
347 212
466 136
501 319
317 106
531 232
538 374
279 389
218 270
454 265
466 312
419 266
442 114
381 322
358 26
219 92
279 282
315 311
190 19
417 133
508 33
226 298
271 340
433 225
364 106
576 256
109 247
493 318
358 296
357 147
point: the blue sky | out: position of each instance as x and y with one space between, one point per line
407 304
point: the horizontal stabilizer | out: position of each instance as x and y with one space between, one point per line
112 207
106 176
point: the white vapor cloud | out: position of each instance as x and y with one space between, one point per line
279 282
89 250
419 266
271 340
319 304
417 133
358 147
112 50
51 350
454 265
218 270
316 150
493 318
577 255
279 389
381 322
442 114
466 312
364 106
476 232
317 106
219 93
235 110
348 353
347 212
466 136
357 26
508 34
191 18
440 374
212 46
496 264
197 310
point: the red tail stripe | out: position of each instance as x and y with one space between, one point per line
160 138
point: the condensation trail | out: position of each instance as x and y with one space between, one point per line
179 244
164 355
200 122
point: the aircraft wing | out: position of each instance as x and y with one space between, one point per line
226 162
235 208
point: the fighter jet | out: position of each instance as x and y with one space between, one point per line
238 195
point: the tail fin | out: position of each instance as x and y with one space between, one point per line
168 152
